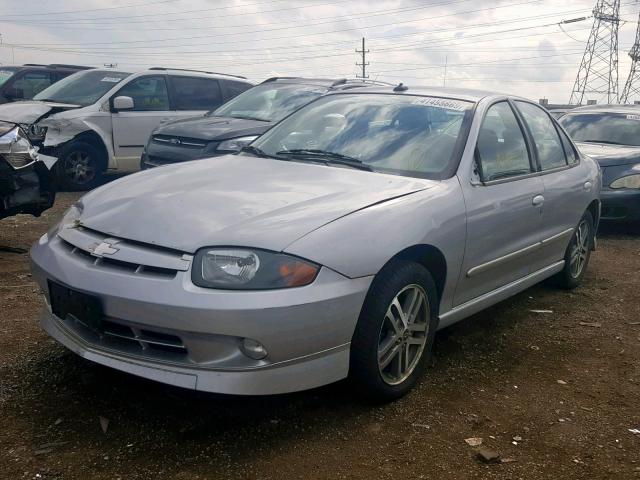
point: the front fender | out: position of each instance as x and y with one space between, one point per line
361 243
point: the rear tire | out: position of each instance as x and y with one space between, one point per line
394 335
577 255
80 166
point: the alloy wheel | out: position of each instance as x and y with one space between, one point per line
403 334
579 249
79 168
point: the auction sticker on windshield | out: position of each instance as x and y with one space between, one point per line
111 79
633 117
441 103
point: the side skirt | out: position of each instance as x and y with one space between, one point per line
480 303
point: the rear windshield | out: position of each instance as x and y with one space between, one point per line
403 135
269 102
6 73
82 88
618 129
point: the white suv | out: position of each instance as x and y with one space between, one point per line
100 120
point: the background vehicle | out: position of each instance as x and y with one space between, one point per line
25 81
335 244
26 183
100 119
238 122
611 135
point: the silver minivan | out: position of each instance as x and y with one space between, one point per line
100 119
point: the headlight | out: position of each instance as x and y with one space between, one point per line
36 133
70 219
16 148
630 181
235 144
244 269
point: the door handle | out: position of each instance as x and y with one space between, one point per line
537 201
588 185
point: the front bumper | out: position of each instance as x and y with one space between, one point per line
30 189
620 205
164 328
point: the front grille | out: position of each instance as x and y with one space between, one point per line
119 265
122 256
131 339
179 141
159 161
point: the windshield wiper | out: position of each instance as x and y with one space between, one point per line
246 117
602 141
328 157
256 151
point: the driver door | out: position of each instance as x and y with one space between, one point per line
132 128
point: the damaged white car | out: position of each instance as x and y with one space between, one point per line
99 120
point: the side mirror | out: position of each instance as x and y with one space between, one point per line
122 103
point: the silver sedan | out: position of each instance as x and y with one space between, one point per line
333 246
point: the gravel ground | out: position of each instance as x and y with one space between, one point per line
555 394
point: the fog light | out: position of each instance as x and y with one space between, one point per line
253 349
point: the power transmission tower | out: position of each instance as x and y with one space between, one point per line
364 63
632 87
598 72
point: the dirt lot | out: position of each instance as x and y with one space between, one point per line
555 392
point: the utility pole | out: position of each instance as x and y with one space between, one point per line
446 64
598 73
364 63
632 87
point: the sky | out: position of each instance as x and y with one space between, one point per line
511 46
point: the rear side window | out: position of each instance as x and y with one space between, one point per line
572 156
501 150
545 136
148 93
193 93
30 84
236 88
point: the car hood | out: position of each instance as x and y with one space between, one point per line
212 128
610 155
29 112
236 200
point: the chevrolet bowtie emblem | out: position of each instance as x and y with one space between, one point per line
104 248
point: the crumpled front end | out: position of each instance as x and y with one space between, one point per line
26 182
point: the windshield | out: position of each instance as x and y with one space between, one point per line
6 73
269 102
619 129
82 88
403 135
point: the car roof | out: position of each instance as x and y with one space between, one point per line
52 66
465 94
610 108
329 83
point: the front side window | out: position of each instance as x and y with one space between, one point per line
194 93
501 150
614 128
402 135
30 84
545 136
149 93
82 88
6 73
269 102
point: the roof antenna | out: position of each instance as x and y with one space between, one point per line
400 88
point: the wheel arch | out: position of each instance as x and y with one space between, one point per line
594 209
429 257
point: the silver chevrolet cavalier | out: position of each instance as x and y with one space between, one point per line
333 246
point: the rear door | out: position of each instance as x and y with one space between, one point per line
194 96
566 188
504 213
132 128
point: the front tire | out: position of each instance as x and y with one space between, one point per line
577 255
395 331
80 166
